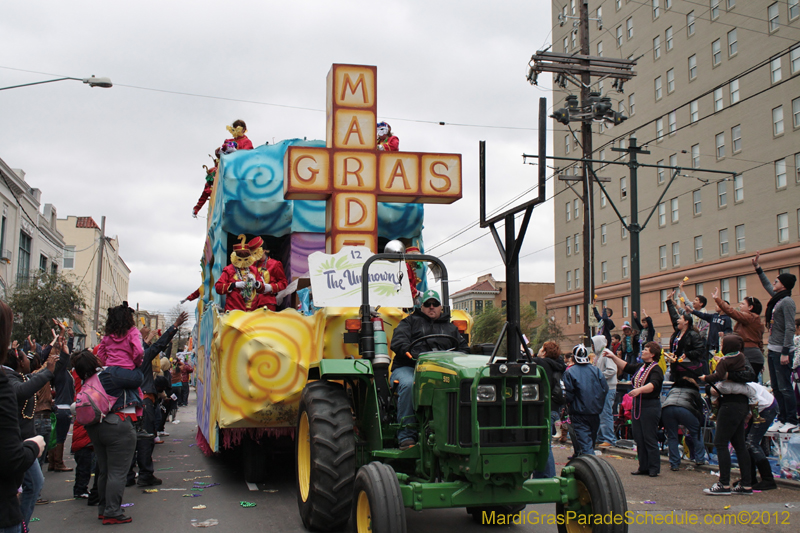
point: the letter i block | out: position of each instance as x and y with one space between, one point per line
352 107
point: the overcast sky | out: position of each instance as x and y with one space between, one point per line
134 153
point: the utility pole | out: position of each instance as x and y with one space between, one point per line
99 282
588 212
593 107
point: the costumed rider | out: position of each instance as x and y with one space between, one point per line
237 131
271 272
194 296
207 188
240 281
413 278
430 319
386 141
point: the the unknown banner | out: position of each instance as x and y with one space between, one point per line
336 280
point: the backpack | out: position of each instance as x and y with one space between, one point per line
92 403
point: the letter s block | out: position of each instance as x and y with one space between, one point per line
441 178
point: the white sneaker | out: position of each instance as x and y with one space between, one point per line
776 426
163 434
176 421
788 428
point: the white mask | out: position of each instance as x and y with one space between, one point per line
383 131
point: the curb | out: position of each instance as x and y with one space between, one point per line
707 468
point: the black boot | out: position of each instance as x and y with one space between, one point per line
767 481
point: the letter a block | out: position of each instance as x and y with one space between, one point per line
352 176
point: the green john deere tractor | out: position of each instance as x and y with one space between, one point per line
484 430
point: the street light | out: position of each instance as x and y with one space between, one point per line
92 82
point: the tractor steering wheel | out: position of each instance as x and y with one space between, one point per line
453 341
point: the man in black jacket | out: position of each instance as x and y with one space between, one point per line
430 319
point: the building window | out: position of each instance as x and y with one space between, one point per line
698 248
600 49
720 142
619 36
577 314
723 241
624 266
604 271
714 9
631 104
693 66
619 4
662 256
739 230
738 188
599 17
722 194
694 111
726 290
676 254
656 9
573 36
667 4
3 238
629 27
796 173
576 209
731 4
668 38
659 128
780 173
698 289
775 70
663 298
623 187
772 17
696 156
479 305
672 119
533 304
566 144
660 172
716 53
43 263
733 44
69 258
24 260
569 314
796 112
736 138
690 23
794 9
673 209
566 45
671 81
783 228
569 245
569 211
625 306
741 287
697 202
624 227
577 238
569 280
734 91
794 59
603 200
577 278
603 234
658 87
657 47
717 100
662 215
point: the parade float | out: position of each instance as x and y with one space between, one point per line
302 197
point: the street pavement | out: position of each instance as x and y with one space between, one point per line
180 464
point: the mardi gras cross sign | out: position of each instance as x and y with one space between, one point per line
352 176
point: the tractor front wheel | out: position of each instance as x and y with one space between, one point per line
377 501
326 457
600 494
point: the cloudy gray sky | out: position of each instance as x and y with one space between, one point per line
184 70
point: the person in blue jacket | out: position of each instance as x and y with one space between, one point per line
585 389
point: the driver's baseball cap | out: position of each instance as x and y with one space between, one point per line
431 294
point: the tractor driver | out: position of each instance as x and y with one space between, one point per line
427 320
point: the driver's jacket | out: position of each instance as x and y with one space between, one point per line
418 325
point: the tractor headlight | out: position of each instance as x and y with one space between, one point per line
487 393
530 392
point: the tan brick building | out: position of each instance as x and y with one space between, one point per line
487 292
717 87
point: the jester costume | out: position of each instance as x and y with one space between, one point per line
386 141
271 272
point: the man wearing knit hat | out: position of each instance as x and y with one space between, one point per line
780 347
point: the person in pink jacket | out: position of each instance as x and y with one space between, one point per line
122 345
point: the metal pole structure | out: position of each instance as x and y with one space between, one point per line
512 288
99 275
588 213
634 228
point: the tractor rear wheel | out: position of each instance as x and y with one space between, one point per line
325 456
377 501
600 493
